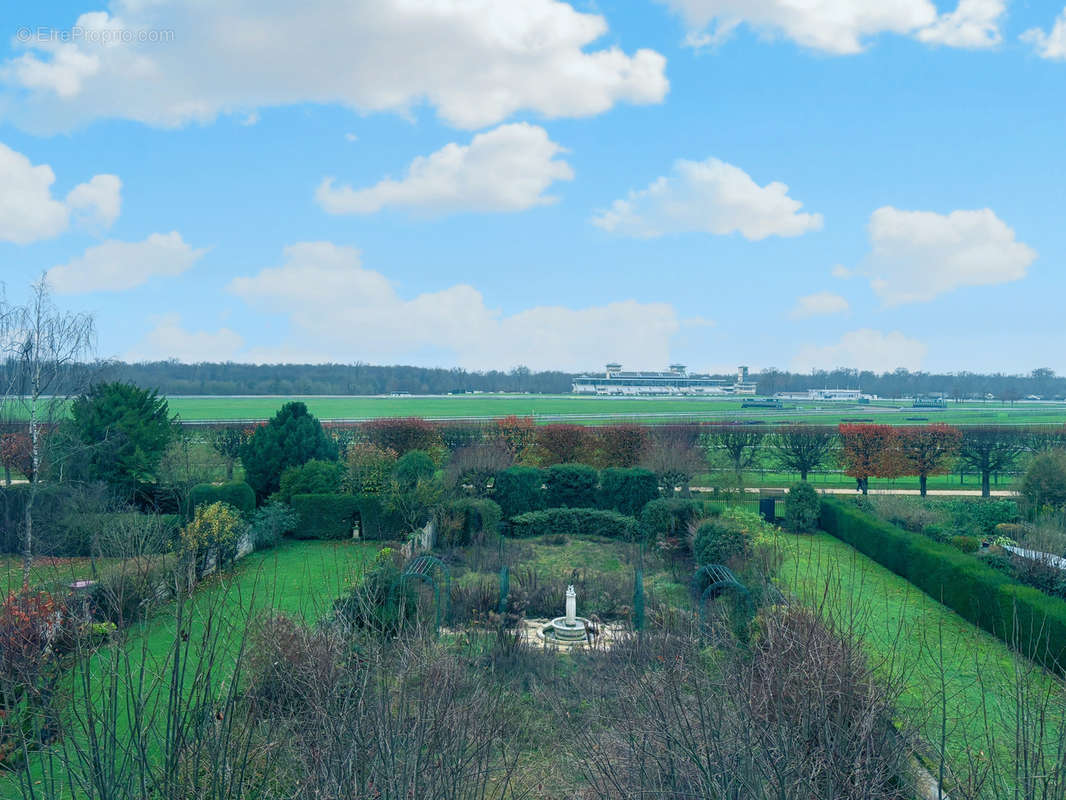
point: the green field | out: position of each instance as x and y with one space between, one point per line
943 661
605 409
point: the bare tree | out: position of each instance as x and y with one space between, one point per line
739 443
988 449
802 448
46 349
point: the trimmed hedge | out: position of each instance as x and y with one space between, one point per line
237 493
571 486
332 516
1021 616
519 490
627 491
575 522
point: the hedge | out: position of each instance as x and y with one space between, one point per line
519 490
575 522
332 516
571 486
479 516
1021 616
669 517
51 508
237 493
627 491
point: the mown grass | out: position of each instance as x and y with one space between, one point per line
48 574
959 683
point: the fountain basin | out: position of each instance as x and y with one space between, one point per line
562 632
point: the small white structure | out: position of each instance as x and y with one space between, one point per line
569 630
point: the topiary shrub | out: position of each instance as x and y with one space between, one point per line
314 477
519 490
627 491
966 544
571 486
235 493
575 522
802 507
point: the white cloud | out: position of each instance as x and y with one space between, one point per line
974 24
98 203
351 137
918 255
710 197
338 310
842 272
505 169
475 61
113 265
1050 45
842 27
170 340
863 349
819 304
29 212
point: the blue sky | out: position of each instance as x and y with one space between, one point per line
559 185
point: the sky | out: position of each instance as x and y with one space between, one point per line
494 183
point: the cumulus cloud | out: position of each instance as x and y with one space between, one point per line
711 197
29 212
506 169
842 27
819 304
168 339
918 255
863 349
339 310
841 272
114 266
475 61
1052 44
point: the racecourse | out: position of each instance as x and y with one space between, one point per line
601 410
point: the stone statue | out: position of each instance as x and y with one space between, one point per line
571 605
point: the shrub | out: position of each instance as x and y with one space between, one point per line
575 522
471 517
123 534
667 517
130 590
235 493
412 467
383 602
402 434
1045 480
292 437
966 544
519 490
627 491
314 477
369 468
980 517
935 532
1021 616
802 507
1010 530
620 445
571 485
334 516
270 522
215 530
562 443
717 541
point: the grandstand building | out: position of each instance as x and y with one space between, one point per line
674 381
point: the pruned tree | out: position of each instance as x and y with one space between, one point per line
802 448
562 443
48 350
870 451
988 449
673 457
227 441
740 445
620 445
928 450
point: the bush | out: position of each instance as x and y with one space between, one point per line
334 516
966 544
627 491
519 490
1019 615
369 468
215 530
130 590
292 437
935 532
669 517
575 522
470 517
1045 480
412 467
980 517
402 434
1010 530
718 541
235 493
802 507
383 602
271 522
314 477
122 534
571 486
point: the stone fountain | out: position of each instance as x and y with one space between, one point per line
568 630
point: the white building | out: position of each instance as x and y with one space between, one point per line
844 395
675 381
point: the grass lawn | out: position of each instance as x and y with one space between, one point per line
935 652
49 574
300 579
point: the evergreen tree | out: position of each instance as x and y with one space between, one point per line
291 438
